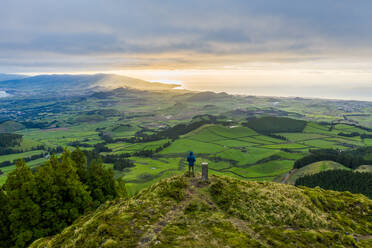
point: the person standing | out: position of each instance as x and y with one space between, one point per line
191 159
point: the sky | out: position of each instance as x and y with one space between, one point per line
318 48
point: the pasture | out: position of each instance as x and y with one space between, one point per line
237 151
241 152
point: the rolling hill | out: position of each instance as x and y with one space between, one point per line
10 126
4 77
364 168
315 168
227 212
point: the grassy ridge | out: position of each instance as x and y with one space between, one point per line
180 211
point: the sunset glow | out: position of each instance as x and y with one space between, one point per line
253 47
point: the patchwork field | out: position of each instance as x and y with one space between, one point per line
253 138
240 152
235 150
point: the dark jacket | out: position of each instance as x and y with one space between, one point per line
191 159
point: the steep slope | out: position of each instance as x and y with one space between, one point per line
183 212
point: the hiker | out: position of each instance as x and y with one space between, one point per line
191 159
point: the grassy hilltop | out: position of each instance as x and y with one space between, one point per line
227 212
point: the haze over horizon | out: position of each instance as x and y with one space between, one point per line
318 49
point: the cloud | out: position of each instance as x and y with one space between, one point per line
101 34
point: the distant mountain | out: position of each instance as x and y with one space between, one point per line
111 81
4 77
208 96
67 85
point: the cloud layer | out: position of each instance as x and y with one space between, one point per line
45 35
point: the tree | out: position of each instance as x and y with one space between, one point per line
80 160
101 183
4 221
24 212
39 204
122 163
74 199
49 199
341 180
121 188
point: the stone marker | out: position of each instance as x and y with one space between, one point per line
204 171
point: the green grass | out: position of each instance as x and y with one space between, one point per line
128 147
60 137
254 140
16 156
204 133
364 168
287 146
235 132
183 146
148 171
240 144
302 136
32 164
233 143
252 155
316 128
320 143
268 169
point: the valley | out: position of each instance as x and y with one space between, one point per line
216 124
246 137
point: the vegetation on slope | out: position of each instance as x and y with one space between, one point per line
272 124
9 139
227 212
340 180
42 203
349 158
10 126
315 168
364 168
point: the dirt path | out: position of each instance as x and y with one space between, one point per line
288 175
149 238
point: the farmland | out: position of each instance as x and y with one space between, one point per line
250 138
235 151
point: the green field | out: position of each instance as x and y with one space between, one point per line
255 138
236 151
